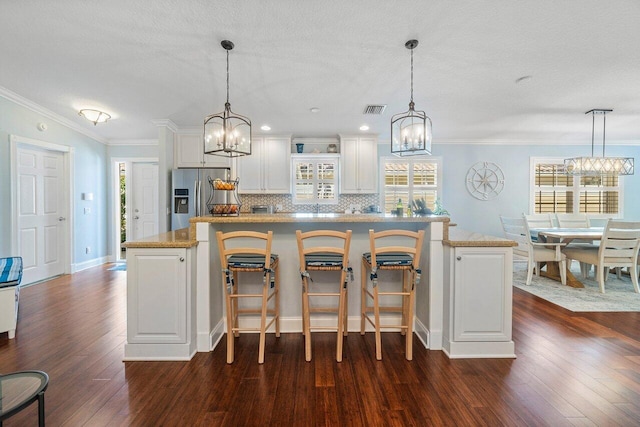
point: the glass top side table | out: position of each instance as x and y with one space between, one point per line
19 389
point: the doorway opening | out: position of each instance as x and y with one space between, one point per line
135 211
122 209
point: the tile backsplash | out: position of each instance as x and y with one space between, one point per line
344 202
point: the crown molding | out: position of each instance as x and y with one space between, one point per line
166 123
522 142
39 109
116 142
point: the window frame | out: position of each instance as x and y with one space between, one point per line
575 188
410 160
315 159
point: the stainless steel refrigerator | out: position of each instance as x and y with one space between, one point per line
190 192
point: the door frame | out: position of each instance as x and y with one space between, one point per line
115 199
67 152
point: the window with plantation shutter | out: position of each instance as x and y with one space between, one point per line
555 192
409 179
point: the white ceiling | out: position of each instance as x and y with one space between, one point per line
145 60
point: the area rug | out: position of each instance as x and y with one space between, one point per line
119 267
619 295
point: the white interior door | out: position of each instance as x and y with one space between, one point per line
41 213
144 204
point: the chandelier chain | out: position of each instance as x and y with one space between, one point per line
412 75
227 76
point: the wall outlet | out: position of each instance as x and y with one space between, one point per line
354 207
278 208
87 211
87 250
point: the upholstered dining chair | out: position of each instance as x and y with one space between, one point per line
618 248
517 229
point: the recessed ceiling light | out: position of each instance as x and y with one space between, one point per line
523 79
364 127
314 109
265 127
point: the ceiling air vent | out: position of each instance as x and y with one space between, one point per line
374 109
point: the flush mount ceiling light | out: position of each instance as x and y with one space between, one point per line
227 133
94 116
411 130
599 165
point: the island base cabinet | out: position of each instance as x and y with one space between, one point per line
160 304
478 302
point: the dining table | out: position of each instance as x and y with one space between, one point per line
567 236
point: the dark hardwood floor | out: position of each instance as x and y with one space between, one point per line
572 369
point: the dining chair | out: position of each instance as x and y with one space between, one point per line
518 230
324 250
396 251
539 221
618 248
249 252
573 220
576 220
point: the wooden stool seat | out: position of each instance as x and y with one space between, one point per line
324 250
394 250
249 252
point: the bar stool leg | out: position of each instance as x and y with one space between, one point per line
409 337
363 296
263 319
341 312
404 302
230 323
236 324
277 302
376 311
345 322
306 319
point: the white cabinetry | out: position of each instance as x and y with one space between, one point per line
267 169
160 304
189 153
478 302
358 164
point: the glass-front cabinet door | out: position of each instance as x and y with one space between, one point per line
315 179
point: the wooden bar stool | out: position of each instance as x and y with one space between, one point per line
324 250
249 252
388 253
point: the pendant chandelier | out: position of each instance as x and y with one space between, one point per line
227 133
599 165
411 130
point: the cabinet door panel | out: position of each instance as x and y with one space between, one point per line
368 165
250 169
189 153
156 293
276 167
482 296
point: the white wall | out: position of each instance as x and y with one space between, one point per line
483 216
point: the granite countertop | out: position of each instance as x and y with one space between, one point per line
463 238
319 217
183 238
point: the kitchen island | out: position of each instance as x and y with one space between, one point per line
175 301
210 301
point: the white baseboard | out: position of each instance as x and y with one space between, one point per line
88 264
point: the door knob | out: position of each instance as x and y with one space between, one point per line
136 217
459 258
61 218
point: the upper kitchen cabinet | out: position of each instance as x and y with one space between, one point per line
358 164
267 169
189 153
